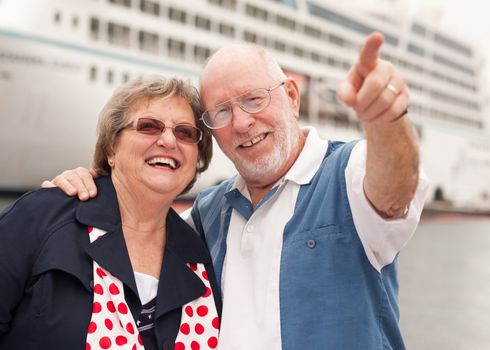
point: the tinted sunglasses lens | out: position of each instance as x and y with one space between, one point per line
149 126
187 133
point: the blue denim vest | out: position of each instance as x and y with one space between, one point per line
331 297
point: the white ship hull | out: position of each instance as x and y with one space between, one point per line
61 60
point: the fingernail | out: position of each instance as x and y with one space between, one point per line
83 195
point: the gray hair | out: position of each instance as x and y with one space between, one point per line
114 115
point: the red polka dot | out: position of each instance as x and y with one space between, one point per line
134 347
87 346
213 342
179 346
215 322
98 289
189 311
202 310
100 272
205 275
199 328
207 293
193 266
185 329
105 342
113 289
130 328
121 340
111 307
122 308
195 345
139 340
96 308
90 228
92 327
108 324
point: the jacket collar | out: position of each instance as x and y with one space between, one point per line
178 283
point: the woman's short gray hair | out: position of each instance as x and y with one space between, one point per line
114 115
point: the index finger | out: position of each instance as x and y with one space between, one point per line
368 57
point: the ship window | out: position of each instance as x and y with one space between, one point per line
419 29
313 32
118 34
202 22
279 46
450 63
227 30
57 17
228 4
336 40
176 48
176 15
298 51
201 53
416 49
93 73
110 76
285 22
125 3
315 57
74 22
148 42
94 28
290 3
250 37
256 12
333 17
125 77
451 44
150 7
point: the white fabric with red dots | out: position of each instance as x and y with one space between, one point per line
199 324
112 325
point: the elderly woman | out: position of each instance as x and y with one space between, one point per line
122 271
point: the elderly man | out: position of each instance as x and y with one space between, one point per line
304 239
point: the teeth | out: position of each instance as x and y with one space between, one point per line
162 161
254 141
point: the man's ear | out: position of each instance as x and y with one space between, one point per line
294 96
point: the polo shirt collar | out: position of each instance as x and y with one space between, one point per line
310 158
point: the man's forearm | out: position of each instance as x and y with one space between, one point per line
392 166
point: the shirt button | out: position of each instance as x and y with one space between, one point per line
250 228
91 284
311 243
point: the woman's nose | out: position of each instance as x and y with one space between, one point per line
167 138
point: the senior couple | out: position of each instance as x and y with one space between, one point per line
301 246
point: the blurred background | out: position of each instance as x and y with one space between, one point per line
61 59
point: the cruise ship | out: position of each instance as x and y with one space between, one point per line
61 59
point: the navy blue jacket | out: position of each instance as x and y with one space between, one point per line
46 273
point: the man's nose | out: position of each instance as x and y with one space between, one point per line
241 121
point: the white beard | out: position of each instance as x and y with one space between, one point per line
286 137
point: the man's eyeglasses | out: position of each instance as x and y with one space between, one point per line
184 133
252 101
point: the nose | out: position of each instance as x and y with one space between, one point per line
241 121
167 139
